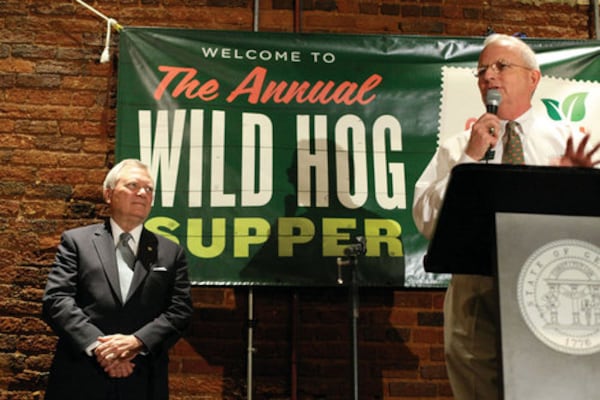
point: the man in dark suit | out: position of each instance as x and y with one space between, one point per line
117 303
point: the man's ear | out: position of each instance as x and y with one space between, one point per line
107 195
535 76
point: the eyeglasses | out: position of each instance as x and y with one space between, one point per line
497 67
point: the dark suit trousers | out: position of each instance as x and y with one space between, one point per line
84 379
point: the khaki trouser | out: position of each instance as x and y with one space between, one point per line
470 337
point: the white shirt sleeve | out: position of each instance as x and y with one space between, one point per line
90 349
431 186
543 143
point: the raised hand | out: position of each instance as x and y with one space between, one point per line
578 157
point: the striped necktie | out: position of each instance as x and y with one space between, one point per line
125 250
125 264
513 148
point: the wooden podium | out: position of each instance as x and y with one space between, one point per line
537 230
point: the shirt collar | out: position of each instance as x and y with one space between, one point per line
136 233
525 117
525 120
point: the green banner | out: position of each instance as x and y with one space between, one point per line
276 153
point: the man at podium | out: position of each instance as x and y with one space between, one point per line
509 132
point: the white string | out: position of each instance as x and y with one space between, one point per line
105 56
98 13
110 22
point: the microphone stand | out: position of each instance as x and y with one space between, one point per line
351 260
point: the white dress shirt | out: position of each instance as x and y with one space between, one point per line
544 142
125 272
136 233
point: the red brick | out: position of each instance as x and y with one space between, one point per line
399 317
430 372
431 336
413 389
16 65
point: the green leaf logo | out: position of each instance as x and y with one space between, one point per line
574 106
572 109
553 109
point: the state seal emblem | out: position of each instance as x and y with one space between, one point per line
558 292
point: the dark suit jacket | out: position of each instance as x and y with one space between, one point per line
82 301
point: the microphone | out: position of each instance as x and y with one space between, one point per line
492 101
357 249
350 255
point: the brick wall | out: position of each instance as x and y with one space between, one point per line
57 123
